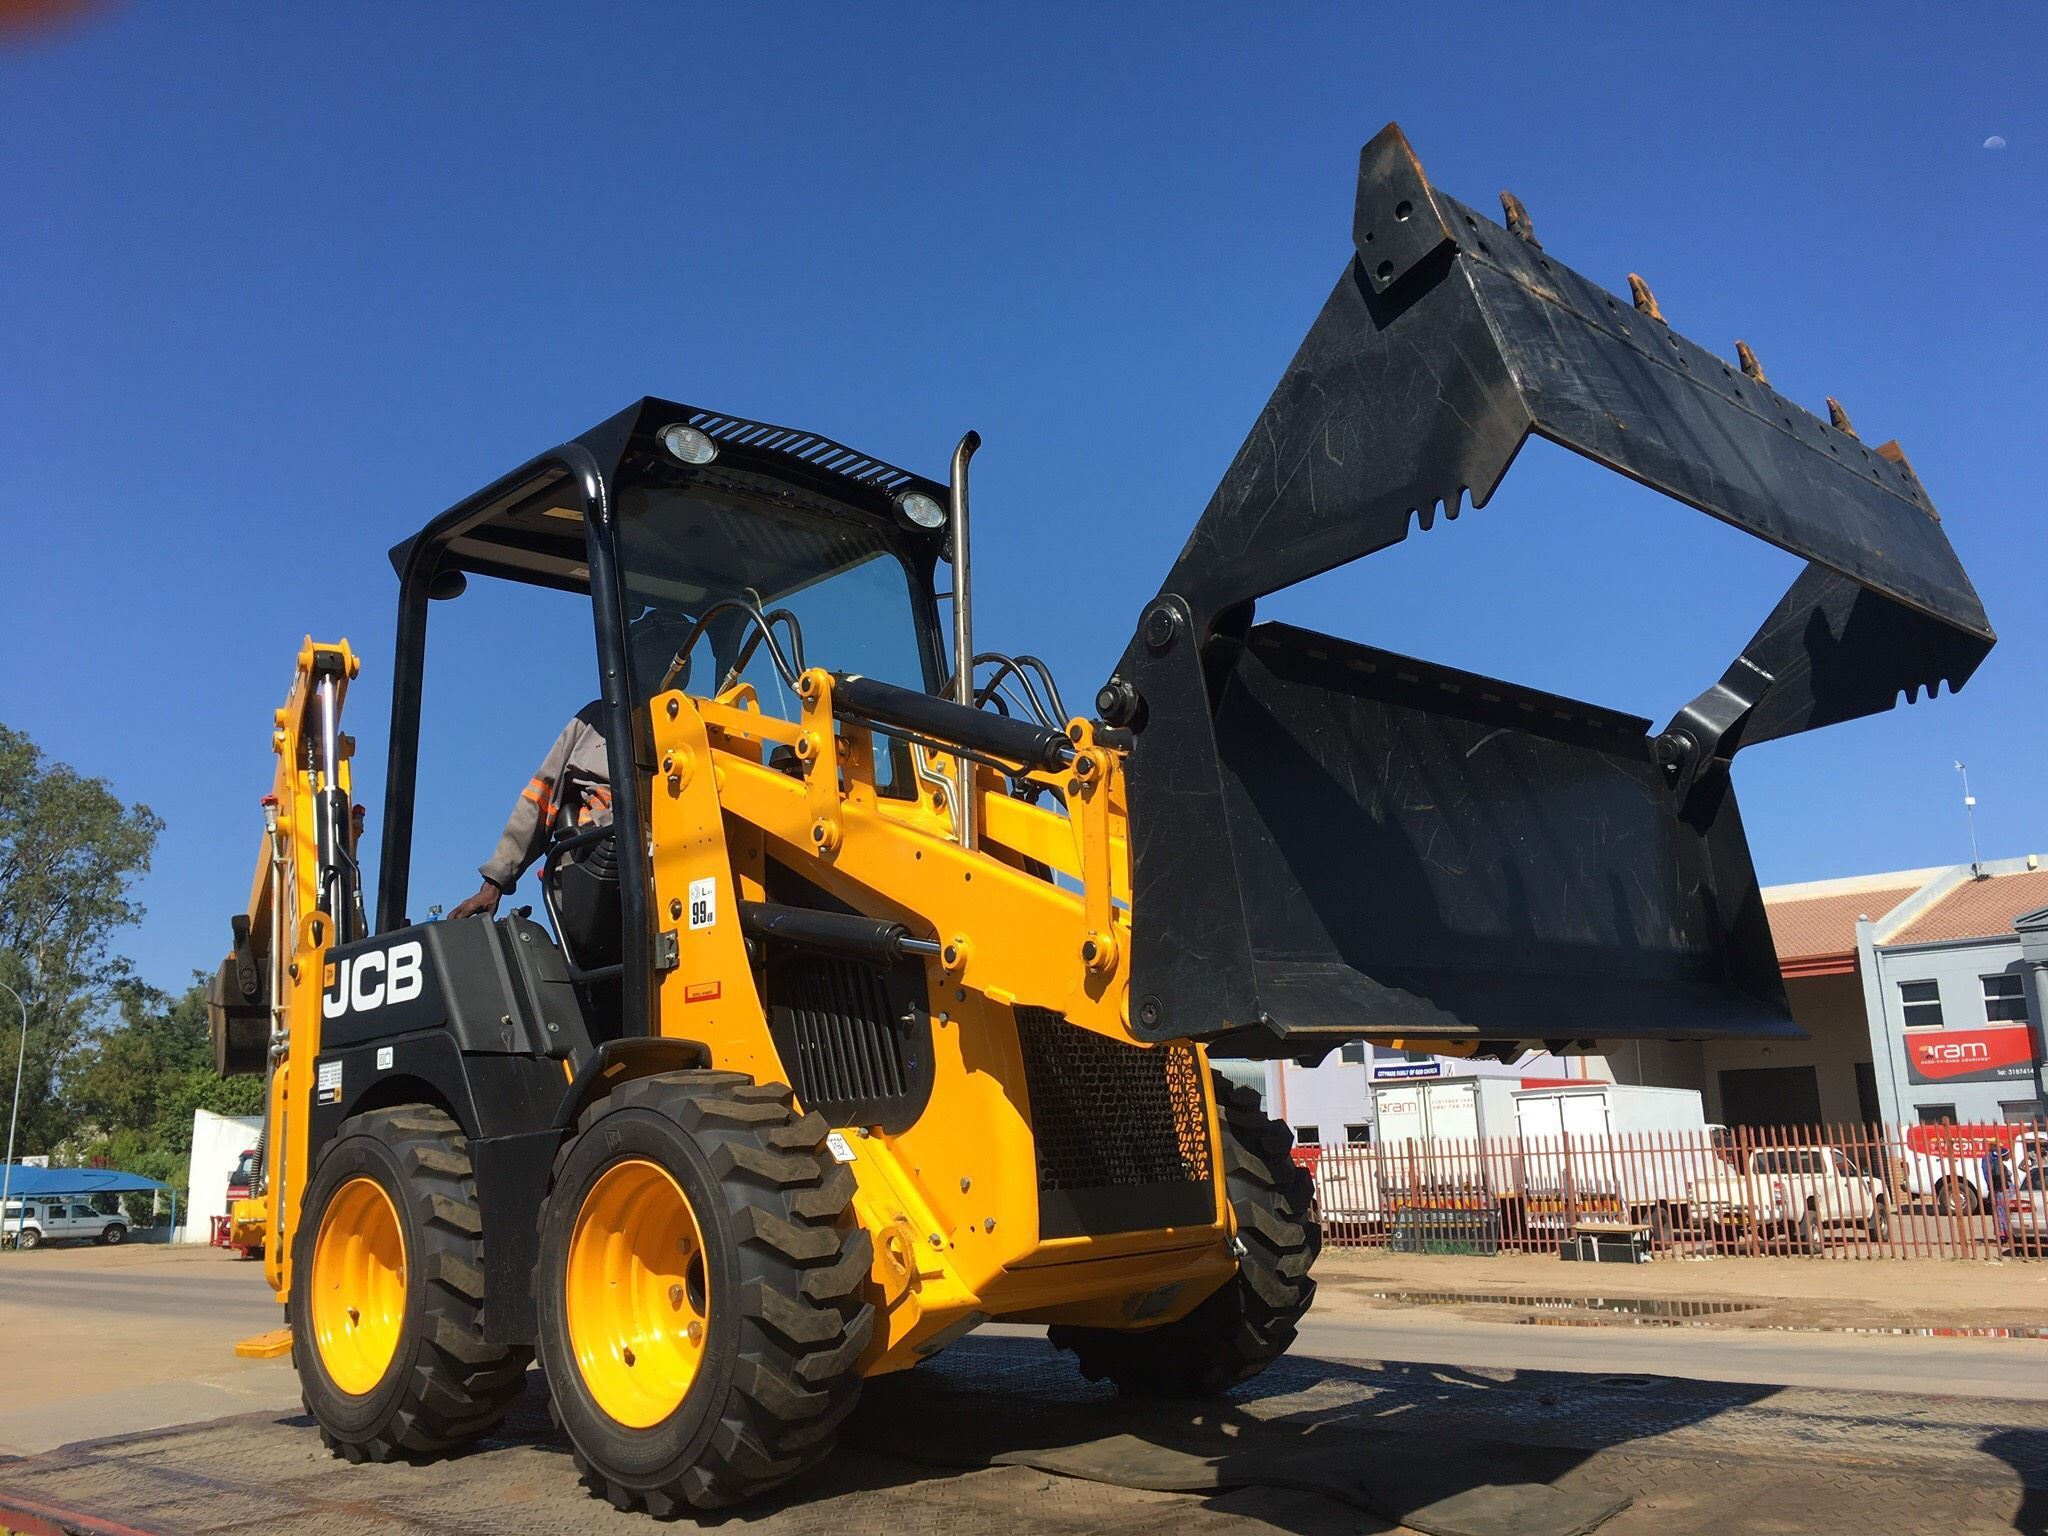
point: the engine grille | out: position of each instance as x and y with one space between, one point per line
1122 1132
854 1039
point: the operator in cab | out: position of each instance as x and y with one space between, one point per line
570 792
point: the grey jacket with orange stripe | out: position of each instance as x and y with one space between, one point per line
572 789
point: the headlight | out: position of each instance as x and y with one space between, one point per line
688 444
922 510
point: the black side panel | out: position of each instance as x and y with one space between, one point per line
489 1095
492 985
1121 1132
511 1182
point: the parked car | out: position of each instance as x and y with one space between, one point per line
1947 1164
1792 1192
2029 1217
31 1223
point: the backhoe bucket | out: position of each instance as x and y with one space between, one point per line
1333 842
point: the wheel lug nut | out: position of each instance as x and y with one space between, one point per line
626 1354
696 1332
354 1316
675 1295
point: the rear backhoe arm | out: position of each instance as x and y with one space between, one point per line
263 1004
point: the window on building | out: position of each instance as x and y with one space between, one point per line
1937 1114
2005 1001
1358 1135
2019 1111
1353 1052
1921 1003
1308 1135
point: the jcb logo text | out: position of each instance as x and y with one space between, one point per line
371 980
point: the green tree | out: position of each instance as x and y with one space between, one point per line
131 1086
70 852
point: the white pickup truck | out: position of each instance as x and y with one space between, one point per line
1794 1192
1950 1172
31 1223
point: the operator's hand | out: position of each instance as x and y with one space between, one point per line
485 900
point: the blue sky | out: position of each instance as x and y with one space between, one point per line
281 285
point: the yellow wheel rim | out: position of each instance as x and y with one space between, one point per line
637 1293
358 1285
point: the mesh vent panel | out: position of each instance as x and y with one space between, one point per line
1111 1116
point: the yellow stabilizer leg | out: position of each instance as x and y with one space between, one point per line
265 1346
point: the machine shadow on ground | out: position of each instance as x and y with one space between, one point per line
1459 1449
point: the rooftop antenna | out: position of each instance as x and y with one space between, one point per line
1970 811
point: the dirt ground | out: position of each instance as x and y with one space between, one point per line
1905 1294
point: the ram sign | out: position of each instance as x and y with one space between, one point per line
1969 1055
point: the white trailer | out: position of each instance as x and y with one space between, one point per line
1610 1149
1450 1137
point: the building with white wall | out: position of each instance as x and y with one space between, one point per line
218 1141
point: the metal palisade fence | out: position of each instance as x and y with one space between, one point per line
1865 1192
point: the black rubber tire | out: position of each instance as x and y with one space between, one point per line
1810 1237
1879 1227
781 1368
28 1237
1662 1229
445 1385
114 1236
1954 1196
1246 1325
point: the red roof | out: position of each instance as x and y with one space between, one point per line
1816 935
1976 909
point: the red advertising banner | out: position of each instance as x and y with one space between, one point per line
1969 1055
1969 1143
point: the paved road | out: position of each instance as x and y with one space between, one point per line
219 1303
229 1298
154 1344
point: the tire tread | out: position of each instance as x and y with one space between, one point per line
803 1321
1250 1321
459 1385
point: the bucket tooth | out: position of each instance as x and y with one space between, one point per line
1645 301
1751 368
1839 418
1518 218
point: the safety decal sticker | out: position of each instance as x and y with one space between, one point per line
327 1083
703 902
842 1149
702 991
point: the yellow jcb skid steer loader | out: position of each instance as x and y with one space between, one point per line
895 1012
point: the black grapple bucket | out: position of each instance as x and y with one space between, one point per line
1334 842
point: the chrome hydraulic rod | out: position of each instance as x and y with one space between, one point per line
964 819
